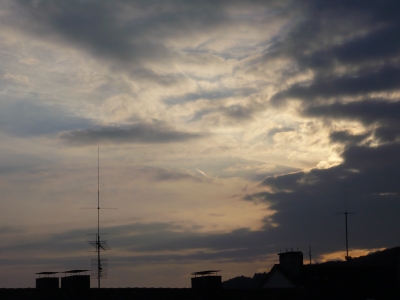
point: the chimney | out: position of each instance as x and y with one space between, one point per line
292 262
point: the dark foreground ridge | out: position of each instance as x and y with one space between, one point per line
375 276
386 261
184 294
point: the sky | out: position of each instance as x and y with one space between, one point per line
228 131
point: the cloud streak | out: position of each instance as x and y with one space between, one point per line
136 133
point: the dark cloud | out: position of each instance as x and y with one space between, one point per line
273 131
144 240
384 114
95 26
330 31
386 10
378 45
347 138
211 95
134 36
241 245
357 38
307 201
233 114
385 79
367 111
162 174
135 133
99 26
388 133
329 38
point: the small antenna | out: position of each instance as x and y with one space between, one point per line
345 213
309 254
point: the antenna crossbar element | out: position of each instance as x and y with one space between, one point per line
100 244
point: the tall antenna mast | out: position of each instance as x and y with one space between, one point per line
98 219
99 244
309 253
345 213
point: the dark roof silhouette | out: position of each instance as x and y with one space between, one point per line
74 271
208 272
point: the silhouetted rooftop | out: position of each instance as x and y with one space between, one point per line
74 271
208 272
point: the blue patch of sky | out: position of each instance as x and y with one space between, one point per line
23 118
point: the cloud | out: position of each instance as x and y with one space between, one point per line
346 137
367 111
238 112
169 241
11 230
348 48
306 201
273 131
212 95
385 79
275 84
374 46
341 30
135 133
227 115
119 30
384 114
162 174
351 59
92 25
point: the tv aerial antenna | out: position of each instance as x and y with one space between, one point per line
346 213
100 245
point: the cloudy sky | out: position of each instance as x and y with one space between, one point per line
228 130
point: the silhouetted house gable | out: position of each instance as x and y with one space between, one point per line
279 278
287 274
